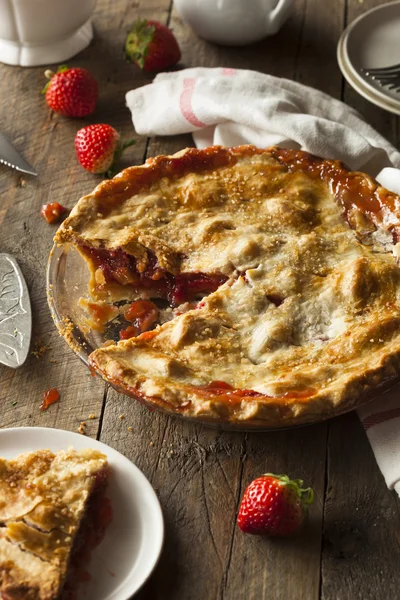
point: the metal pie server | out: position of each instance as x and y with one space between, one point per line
15 314
10 157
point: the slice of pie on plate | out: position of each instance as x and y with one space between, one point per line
53 510
278 273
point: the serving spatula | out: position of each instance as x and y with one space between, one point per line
15 314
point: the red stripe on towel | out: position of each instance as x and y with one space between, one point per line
381 417
185 103
227 71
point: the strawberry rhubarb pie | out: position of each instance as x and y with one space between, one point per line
53 511
257 287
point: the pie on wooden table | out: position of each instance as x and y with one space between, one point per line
53 510
264 284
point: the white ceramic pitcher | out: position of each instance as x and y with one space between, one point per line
234 22
38 32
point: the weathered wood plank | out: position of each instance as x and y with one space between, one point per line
361 546
316 63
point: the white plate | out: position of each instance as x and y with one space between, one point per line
386 104
372 41
129 552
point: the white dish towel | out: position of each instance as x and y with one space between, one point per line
230 107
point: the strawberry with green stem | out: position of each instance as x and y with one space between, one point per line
274 505
71 92
152 46
98 148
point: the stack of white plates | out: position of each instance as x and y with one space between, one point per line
372 40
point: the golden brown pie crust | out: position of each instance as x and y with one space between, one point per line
43 497
307 323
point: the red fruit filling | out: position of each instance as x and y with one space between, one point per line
143 314
118 266
226 393
52 212
98 515
128 332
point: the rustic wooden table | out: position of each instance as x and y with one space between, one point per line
350 548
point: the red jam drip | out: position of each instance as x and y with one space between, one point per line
121 267
351 189
53 212
49 397
226 393
217 385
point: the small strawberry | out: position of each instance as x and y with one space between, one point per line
98 147
152 46
71 92
274 505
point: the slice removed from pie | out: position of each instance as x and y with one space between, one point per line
279 271
51 506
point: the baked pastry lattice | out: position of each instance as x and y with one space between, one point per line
280 272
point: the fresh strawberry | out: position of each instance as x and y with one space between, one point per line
71 92
274 505
53 212
98 147
152 46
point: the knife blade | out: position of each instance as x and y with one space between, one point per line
10 157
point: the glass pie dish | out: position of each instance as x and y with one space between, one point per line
67 278
67 284
272 276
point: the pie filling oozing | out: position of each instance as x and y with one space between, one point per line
280 275
118 266
53 512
